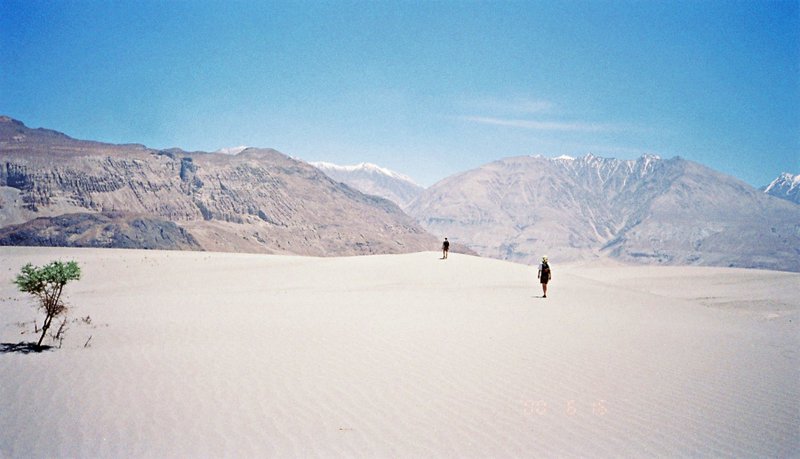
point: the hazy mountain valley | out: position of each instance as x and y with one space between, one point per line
59 191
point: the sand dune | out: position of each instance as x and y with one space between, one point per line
209 355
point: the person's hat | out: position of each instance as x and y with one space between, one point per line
544 258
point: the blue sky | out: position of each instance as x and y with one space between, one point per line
428 89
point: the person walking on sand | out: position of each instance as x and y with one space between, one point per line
445 248
544 275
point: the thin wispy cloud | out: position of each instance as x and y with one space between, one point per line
518 106
543 125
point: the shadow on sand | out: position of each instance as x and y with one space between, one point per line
22 348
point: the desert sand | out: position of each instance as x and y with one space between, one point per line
192 354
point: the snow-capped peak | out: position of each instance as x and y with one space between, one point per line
650 157
232 150
785 180
565 158
375 180
786 186
362 167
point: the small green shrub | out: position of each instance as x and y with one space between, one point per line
47 283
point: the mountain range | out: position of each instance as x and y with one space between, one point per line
60 191
648 210
56 190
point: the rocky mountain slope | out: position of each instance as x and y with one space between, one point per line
375 180
258 200
648 210
786 186
101 230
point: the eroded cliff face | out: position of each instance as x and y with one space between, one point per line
257 201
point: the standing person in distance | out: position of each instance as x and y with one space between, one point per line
445 248
544 275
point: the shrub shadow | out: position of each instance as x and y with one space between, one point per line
22 348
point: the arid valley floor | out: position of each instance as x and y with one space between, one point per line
196 354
